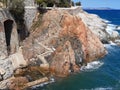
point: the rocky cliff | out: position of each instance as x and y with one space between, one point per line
60 42
98 26
64 42
8 34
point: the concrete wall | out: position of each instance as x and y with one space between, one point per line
30 12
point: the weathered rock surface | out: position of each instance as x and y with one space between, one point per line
92 21
18 60
3 50
8 34
64 41
95 24
60 45
111 30
6 68
4 84
17 83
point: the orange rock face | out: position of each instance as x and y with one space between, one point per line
73 43
91 45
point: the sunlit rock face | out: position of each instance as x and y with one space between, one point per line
64 41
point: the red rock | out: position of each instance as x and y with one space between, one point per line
73 42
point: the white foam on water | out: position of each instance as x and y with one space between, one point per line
111 27
52 80
111 30
118 27
111 43
100 88
106 21
92 66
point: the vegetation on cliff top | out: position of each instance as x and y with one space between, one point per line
50 3
58 3
17 9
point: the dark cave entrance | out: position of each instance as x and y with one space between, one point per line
8 26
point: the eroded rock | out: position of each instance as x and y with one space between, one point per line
73 43
18 60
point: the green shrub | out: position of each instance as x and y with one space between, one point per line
50 3
17 9
78 3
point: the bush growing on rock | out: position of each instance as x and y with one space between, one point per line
51 3
78 3
17 9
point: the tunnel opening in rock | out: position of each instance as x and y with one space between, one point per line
8 26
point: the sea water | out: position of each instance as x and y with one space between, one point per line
103 74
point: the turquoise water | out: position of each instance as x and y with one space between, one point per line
99 75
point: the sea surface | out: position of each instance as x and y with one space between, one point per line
103 74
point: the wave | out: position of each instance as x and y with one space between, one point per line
106 21
102 88
92 66
52 80
111 44
112 30
111 27
118 27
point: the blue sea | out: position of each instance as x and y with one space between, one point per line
103 74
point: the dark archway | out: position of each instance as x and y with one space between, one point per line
8 26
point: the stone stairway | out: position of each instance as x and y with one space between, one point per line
43 55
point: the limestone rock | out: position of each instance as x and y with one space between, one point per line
5 83
17 60
2 71
3 50
114 34
95 24
7 68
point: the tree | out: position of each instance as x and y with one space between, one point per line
39 2
64 3
78 3
17 9
50 3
